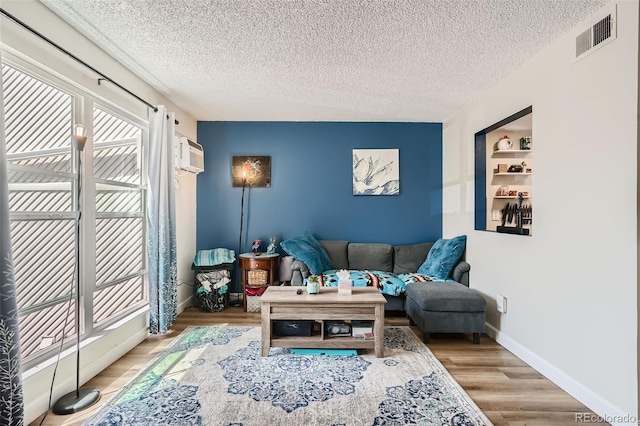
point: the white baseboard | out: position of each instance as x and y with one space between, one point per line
603 408
185 304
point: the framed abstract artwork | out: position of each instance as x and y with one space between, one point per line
376 172
251 170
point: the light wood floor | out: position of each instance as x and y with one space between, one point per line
504 387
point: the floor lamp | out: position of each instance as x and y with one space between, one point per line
244 184
78 399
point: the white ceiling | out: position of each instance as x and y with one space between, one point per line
323 60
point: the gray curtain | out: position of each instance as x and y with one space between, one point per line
11 403
161 223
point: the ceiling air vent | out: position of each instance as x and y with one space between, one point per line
600 32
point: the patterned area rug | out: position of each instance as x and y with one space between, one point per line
216 376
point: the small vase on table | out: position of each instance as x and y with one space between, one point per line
256 247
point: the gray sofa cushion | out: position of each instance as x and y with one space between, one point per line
445 297
371 256
408 258
337 251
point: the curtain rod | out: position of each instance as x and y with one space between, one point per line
74 57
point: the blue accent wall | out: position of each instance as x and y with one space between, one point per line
311 183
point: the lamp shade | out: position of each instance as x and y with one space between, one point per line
79 137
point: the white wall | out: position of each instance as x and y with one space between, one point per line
572 286
186 235
115 342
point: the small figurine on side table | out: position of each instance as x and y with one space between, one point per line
271 248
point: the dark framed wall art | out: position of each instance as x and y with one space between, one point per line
251 170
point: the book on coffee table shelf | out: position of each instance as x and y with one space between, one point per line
360 328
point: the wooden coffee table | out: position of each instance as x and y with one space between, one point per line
283 303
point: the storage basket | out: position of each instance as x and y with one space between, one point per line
212 290
293 327
253 303
257 277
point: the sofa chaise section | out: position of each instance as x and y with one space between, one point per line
445 307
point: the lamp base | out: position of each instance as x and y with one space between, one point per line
76 401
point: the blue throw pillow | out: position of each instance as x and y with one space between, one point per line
443 257
308 249
325 260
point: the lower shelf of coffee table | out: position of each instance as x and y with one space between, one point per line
317 341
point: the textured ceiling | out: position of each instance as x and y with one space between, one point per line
332 60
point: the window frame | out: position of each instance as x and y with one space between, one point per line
83 103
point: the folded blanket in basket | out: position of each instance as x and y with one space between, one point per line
213 257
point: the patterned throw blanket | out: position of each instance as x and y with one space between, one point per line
214 257
386 282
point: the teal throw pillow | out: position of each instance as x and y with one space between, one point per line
443 257
308 249
325 260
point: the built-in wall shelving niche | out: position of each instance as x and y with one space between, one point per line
503 170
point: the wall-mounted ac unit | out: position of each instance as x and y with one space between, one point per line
189 155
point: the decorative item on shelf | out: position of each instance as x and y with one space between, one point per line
528 171
527 214
504 143
515 168
513 193
313 284
502 168
525 143
256 247
271 248
503 191
517 212
505 214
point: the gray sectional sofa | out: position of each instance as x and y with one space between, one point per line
435 307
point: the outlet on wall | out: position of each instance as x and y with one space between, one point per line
501 303
496 215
